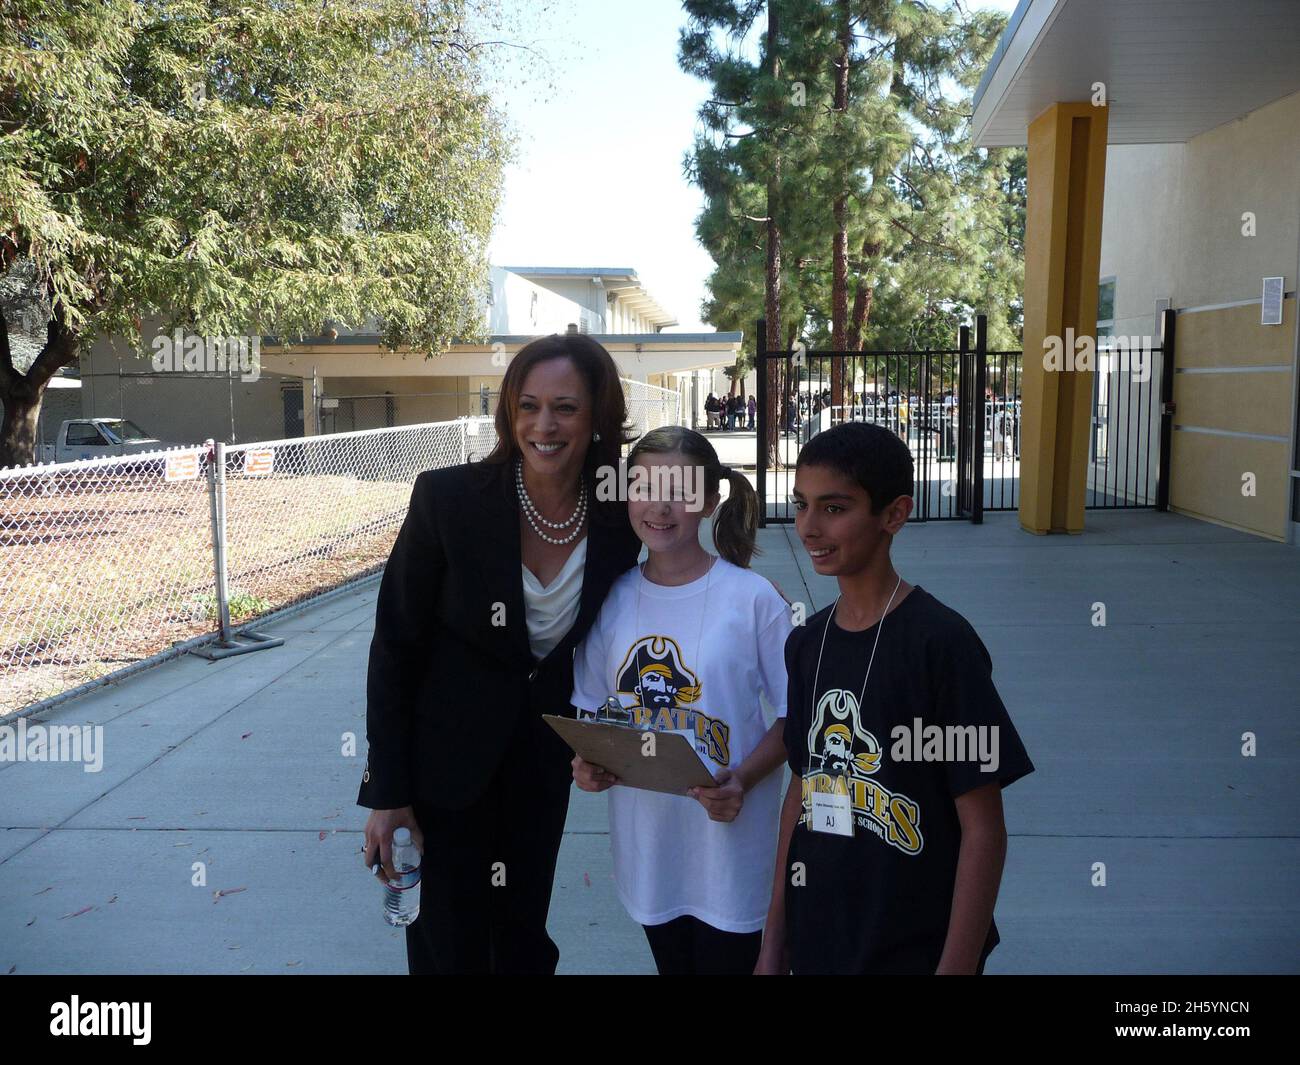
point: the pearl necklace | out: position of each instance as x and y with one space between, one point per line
534 515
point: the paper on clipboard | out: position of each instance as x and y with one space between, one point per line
674 767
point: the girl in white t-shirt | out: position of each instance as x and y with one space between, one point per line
688 642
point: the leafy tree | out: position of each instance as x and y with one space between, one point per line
234 167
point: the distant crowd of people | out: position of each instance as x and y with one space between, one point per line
730 412
1003 425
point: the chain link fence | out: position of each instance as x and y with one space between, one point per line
102 562
649 406
107 562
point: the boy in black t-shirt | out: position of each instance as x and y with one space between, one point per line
892 838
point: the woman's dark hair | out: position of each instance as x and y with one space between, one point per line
608 407
735 523
870 455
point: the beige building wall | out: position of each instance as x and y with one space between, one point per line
1232 431
1176 226
1252 164
402 400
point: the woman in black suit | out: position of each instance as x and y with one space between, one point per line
497 573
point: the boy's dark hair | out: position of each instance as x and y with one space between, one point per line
870 455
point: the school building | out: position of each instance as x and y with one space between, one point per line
1163 145
343 379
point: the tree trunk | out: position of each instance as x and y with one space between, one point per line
20 393
862 298
840 237
18 431
772 270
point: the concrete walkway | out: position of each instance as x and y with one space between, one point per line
1135 729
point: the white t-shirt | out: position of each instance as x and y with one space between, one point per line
714 659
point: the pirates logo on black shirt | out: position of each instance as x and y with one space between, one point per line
842 758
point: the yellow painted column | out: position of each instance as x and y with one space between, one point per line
1067 177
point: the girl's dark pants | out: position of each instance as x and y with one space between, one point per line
687 946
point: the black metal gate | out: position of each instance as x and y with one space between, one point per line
959 411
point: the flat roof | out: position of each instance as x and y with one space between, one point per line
621 279
1172 69
572 271
731 337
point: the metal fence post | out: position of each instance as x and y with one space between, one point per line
217 508
965 419
761 424
226 644
977 486
1168 319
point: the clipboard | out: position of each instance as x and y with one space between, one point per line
675 766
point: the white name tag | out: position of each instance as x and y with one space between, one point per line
831 813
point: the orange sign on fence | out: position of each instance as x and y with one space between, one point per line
183 467
259 462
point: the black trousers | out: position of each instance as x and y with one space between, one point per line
687 946
485 886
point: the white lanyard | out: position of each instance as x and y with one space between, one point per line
880 628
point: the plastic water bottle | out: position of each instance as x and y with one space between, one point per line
402 896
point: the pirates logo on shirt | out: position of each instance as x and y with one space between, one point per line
836 743
654 673
842 758
664 690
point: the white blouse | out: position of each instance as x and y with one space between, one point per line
551 610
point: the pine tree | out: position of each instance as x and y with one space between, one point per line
746 160
870 185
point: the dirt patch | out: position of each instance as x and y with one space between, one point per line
103 572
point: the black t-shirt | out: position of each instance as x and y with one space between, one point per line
879 901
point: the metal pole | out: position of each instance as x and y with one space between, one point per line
217 506
225 646
963 416
230 395
1168 318
977 487
760 438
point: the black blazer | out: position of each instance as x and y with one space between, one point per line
450 667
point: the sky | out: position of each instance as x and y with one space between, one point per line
603 124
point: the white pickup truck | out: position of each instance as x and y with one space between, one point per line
94 438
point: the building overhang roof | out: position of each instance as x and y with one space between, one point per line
727 339
621 280
1172 69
